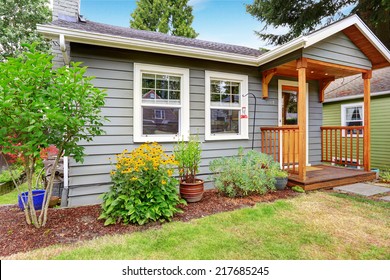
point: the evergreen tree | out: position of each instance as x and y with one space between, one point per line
304 16
18 21
166 16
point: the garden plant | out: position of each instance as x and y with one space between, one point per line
144 188
42 106
245 174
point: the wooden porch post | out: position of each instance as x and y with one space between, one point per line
301 67
367 120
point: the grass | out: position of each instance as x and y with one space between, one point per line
12 197
312 226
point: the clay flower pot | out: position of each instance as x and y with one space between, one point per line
192 192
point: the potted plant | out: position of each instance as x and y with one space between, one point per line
281 178
188 156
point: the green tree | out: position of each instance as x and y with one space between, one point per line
304 16
166 16
41 106
18 21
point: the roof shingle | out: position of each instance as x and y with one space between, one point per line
353 85
101 28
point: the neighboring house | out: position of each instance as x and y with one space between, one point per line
203 87
344 106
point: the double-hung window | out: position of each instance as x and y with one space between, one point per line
226 106
161 103
352 115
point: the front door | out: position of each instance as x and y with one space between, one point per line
288 119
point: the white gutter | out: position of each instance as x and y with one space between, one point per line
350 97
278 52
80 36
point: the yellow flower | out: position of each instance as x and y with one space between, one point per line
170 172
163 182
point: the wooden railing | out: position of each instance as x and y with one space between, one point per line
343 145
281 143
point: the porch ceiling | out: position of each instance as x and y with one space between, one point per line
318 70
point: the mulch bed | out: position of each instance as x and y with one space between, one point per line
69 225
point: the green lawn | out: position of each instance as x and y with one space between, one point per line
313 226
12 197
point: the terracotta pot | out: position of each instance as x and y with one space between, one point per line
192 192
54 201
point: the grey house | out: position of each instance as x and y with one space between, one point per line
162 88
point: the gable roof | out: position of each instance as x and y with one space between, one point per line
126 38
352 87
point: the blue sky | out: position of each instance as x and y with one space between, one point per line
224 21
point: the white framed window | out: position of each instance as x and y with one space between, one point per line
352 115
226 108
161 103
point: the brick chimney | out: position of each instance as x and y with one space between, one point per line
66 9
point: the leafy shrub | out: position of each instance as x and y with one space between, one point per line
143 188
188 156
298 189
6 175
243 175
385 175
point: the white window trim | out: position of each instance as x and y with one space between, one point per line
243 80
184 125
343 116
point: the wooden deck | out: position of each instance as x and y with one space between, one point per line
325 176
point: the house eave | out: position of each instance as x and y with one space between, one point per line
106 40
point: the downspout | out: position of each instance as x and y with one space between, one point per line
64 50
65 191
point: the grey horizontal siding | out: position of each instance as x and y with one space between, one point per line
315 122
114 72
338 49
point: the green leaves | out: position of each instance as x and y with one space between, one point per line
42 106
18 26
244 174
302 16
143 190
188 155
166 16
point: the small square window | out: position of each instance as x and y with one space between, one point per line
352 115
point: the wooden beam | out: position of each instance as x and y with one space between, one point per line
324 83
302 95
367 121
267 76
339 66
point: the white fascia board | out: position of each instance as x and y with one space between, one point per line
79 36
358 96
284 49
331 30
